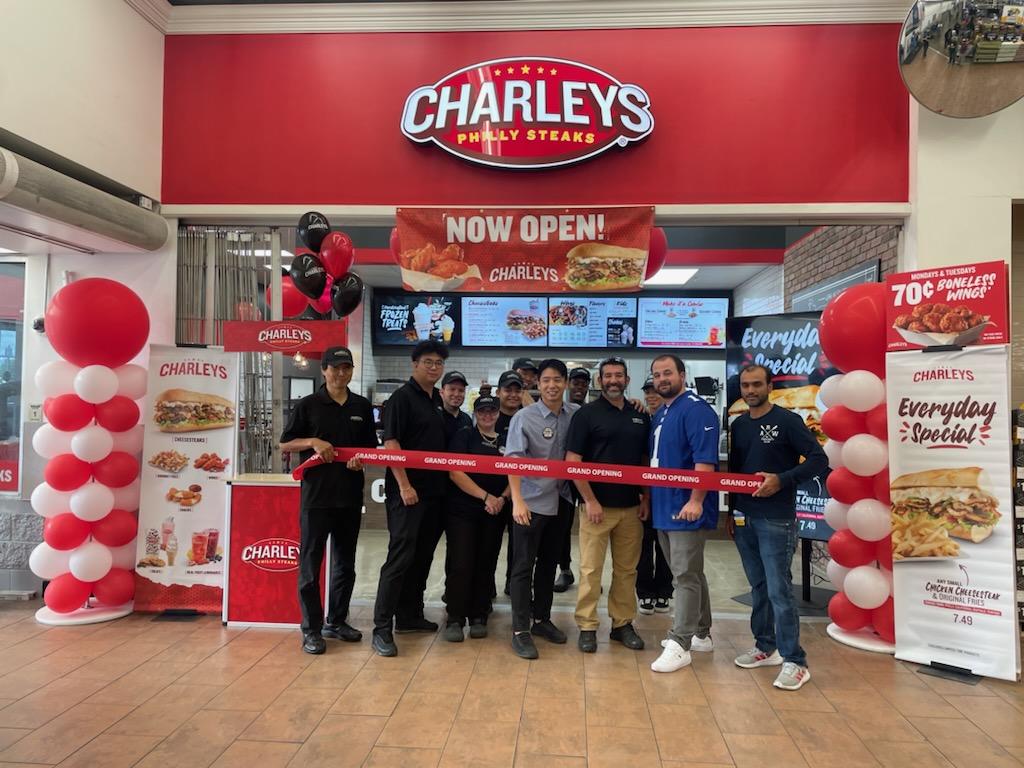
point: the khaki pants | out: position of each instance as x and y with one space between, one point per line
625 531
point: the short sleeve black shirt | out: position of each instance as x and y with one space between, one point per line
452 424
415 419
472 442
604 434
346 426
501 425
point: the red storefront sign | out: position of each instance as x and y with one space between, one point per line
284 336
965 305
8 475
528 112
514 249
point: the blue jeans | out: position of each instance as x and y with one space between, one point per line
766 550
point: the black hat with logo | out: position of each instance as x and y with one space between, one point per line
336 356
508 378
524 364
579 373
485 402
451 376
648 384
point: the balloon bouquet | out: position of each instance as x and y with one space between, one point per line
90 497
852 333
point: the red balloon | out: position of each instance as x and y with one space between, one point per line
96 321
657 251
337 254
116 588
66 593
117 414
846 487
293 303
883 552
852 329
116 529
840 423
65 531
880 486
67 472
68 413
395 243
876 421
883 619
117 470
849 551
847 615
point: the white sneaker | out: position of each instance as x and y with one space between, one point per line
792 677
704 644
673 658
758 658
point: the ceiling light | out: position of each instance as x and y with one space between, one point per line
671 276
7 250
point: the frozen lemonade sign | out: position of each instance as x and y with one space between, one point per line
528 112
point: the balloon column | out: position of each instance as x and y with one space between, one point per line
92 441
319 275
852 335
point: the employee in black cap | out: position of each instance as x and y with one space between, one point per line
331 496
453 395
652 400
579 385
527 370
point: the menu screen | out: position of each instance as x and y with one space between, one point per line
504 321
592 322
673 322
403 319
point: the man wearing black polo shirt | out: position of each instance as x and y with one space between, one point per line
413 421
453 395
331 496
609 431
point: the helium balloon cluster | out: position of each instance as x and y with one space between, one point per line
92 441
319 275
852 333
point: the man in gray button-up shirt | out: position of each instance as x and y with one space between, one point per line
540 508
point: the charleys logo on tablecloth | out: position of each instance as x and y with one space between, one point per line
528 112
273 554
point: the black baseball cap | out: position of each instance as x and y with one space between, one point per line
336 356
648 384
510 377
485 401
451 376
579 373
526 364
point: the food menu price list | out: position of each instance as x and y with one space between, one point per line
592 322
515 321
668 322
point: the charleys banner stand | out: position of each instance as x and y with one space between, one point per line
954 584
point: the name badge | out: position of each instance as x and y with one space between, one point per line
548 432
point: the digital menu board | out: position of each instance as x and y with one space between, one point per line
607 321
403 319
504 321
679 322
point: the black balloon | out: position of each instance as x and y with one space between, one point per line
346 293
313 228
309 275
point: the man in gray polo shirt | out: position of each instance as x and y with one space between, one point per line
540 509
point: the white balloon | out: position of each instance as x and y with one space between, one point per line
90 562
866 587
48 502
131 381
865 455
56 377
92 443
48 563
129 441
92 502
124 556
48 441
829 391
836 574
835 514
869 519
861 391
96 384
834 451
127 497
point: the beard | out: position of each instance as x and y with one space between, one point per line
667 389
755 401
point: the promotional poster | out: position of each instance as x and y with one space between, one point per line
188 452
402 319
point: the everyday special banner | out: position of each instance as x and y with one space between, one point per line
954 582
788 346
188 452
518 250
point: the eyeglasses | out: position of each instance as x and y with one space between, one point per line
612 361
431 363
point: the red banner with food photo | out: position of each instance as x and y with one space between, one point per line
959 306
521 250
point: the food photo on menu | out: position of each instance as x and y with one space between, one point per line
504 321
182 410
931 325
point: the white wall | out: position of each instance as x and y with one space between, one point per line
84 79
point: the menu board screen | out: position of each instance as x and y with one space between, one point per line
504 321
677 322
592 322
403 319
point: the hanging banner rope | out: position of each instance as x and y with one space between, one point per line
562 470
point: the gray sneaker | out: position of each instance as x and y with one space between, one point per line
792 677
758 658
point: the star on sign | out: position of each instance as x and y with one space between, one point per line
511 70
553 71
497 73
525 69
540 70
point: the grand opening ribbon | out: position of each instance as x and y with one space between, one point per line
562 470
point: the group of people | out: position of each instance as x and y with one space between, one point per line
658 530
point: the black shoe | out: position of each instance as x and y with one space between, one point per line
453 632
523 645
313 643
564 581
628 637
384 643
342 631
549 632
478 629
415 625
588 641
